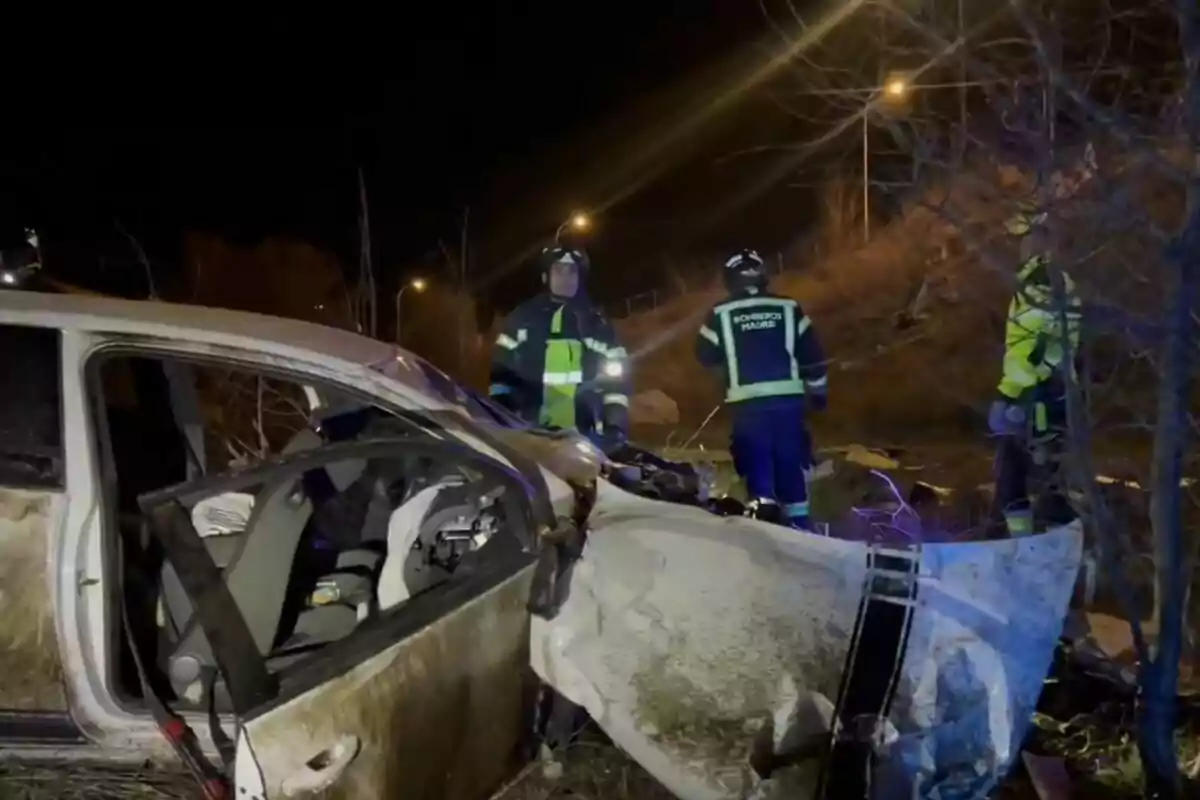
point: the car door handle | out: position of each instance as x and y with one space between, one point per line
322 770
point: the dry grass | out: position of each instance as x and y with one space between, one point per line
884 375
23 781
913 321
592 768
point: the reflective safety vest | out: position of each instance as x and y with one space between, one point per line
766 346
554 359
1036 347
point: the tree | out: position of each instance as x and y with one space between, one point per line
974 109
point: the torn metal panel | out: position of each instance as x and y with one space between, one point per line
988 618
703 644
440 714
686 634
29 655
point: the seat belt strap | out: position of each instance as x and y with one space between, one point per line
178 733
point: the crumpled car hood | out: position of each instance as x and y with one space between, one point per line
701 644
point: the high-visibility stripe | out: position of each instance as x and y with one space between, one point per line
796 509
1041 418
789 340
709 334
562 378
1019 522
731 361
1029 266
766 389
804 324
556 321
615 352
748 302
616 400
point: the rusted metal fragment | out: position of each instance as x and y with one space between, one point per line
29 657
440 715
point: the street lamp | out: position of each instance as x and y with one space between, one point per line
417 285
578 222
895 89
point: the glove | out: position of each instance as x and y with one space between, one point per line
818 401
1006 418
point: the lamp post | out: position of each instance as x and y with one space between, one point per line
416 284
895 90
578 222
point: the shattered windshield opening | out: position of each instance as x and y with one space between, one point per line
478 415
413 370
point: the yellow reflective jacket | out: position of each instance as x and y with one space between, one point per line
1033 337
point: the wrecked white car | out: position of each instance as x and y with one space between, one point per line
302 561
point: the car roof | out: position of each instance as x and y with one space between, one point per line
287 338
218 326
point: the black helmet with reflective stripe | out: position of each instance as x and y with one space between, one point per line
565 255
743 270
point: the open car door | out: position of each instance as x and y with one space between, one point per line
398 665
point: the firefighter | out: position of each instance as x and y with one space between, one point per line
1029 415
557 362
773 369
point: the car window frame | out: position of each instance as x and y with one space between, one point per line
57 483
100 443
374 635
51 724
431 422
428 423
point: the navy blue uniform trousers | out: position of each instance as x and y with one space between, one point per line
771 448
1018 472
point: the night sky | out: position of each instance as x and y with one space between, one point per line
520 111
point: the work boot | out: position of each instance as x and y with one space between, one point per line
766 509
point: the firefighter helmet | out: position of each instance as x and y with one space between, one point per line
565 255
745 270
